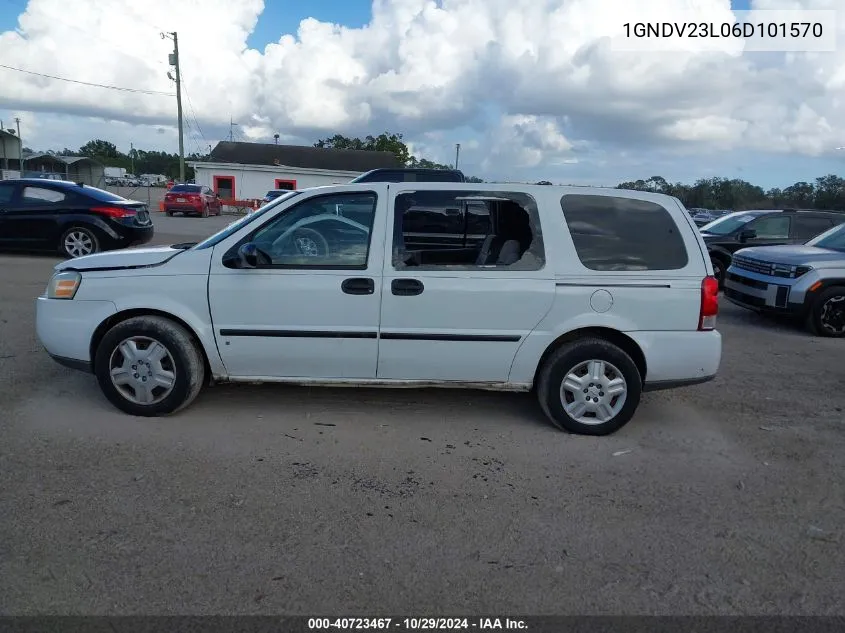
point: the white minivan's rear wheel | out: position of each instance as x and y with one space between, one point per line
589 387
149 366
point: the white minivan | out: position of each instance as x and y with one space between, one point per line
586 296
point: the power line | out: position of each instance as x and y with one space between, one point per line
191 106
88 83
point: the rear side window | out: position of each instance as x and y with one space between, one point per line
35 195
614 233
805 228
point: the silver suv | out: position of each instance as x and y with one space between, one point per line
806 281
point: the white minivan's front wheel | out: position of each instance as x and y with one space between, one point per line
149 366
589 387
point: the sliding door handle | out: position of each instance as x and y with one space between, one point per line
358 286
406 287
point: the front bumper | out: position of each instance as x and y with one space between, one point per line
764 293
65 328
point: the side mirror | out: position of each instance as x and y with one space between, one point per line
250 256
747 234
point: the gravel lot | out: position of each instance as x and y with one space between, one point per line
722 498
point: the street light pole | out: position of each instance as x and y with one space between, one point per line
457 153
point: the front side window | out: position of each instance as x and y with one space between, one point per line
331 231
623 234
466 230
772 227
40 195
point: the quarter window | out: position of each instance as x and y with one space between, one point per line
40 195
805 228
323 232
623 234
467 229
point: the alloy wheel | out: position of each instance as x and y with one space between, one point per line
78 243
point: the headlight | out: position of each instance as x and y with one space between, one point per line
802 270
64 285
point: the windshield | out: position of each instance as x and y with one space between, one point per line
727 223
247 219
832 239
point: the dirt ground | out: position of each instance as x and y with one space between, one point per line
726 498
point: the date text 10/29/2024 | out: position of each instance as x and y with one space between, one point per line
416 624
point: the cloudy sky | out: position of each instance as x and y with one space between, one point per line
531 89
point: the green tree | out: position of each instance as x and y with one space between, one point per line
385 142
100 149
829 192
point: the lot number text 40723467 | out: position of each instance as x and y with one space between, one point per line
417 624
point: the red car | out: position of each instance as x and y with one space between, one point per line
192 200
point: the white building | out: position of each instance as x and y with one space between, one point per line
247 171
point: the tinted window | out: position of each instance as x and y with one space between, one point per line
612 233
805 227
771 227
466 229
318 233
40 195
186 188
6 192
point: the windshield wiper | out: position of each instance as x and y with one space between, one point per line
183 246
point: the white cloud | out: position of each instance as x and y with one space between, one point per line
426 68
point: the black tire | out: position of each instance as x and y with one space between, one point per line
87 233
564 360
720 268
169 214
818 316
188 367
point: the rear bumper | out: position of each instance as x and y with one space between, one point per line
182 208
138 235
675 359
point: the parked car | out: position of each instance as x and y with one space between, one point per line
726 235
273 194
71 218
192 200
332 285
807 281
412 174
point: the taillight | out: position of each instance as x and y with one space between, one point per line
114 212
709 304
194 197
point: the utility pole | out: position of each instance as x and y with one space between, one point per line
174 61
231 129
132 159
457 153
20 143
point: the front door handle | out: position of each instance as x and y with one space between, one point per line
358 286
406 287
